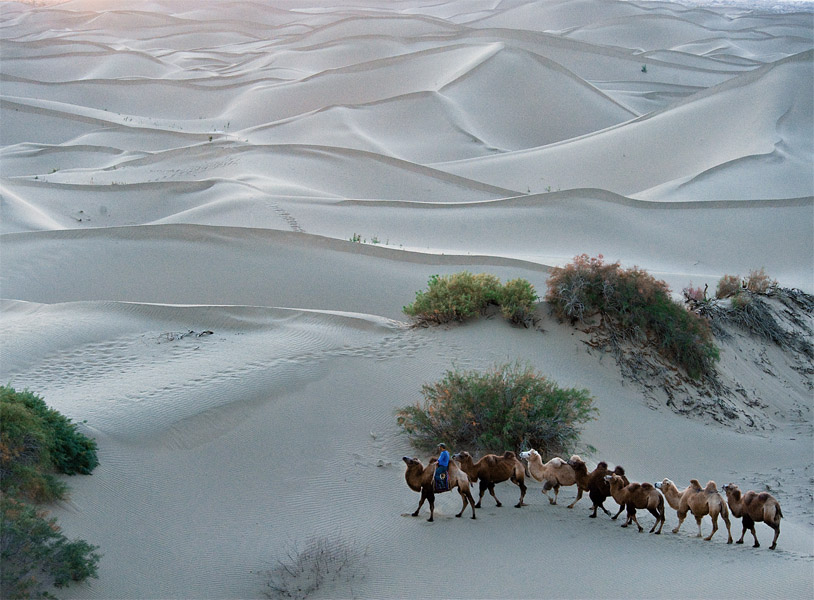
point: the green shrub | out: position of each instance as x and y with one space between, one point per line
637 307
517 300
461 296
509 407
35 555
36 442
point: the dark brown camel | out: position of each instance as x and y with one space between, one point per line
753 507
594 483
492 469
421 479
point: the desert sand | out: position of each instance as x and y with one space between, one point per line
181 182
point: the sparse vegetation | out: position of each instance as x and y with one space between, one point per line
510 407
35 554
743 302
324 562
36 444
633 307
461 296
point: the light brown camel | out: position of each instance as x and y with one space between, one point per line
594 483
421 479
492 469
638 495
699 501
553 474
752 508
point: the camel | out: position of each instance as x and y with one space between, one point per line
421 479
699 501
638 495
554 473
492 469
594 483
753 507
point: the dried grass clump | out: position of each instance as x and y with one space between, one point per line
323 563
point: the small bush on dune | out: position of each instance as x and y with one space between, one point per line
461 296
37 442
757 282
323 562
509 407
637 307
517 300
36 555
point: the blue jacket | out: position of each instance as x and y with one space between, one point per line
443 459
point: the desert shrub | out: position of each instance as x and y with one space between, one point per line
517 299
454 297
509 407
35 555
636 306
323 562
758 282
728 285
38 441
461 296
694 294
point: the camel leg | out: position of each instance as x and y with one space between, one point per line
522 493
431 500
579 495
728 528
714 526
463 508
492 492
776 535
631 518
421 503
698 522
619 512
681 518
656 514
547 486
471 502
749 524
604 510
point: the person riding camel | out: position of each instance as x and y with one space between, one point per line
442 468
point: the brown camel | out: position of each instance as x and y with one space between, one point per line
492 469
421 479
753 508
700 502
638 495
594 483
554 473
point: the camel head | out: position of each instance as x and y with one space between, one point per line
413 462
665 483
463 455
530 454
732 491
614 480
575 460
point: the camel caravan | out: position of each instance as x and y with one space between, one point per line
461 470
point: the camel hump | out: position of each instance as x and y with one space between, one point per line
647 486
509 454
634 486
620 471
764 496
712 487
694 483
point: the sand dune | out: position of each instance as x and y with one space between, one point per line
181 186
